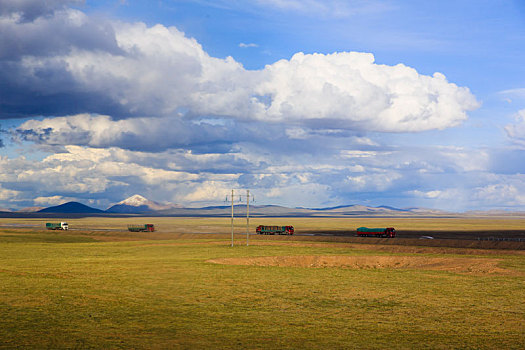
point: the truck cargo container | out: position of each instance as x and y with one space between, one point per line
274 230
57 226
389 232
142 228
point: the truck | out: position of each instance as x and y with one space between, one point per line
57 226
389 232
274 230
142 228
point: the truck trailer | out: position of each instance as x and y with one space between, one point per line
274 230
141 228
57 226
389 232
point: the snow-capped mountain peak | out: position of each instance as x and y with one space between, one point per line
136 201
139 204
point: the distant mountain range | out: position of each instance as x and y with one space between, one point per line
141 206
23 210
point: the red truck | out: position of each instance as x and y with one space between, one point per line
389 232
274 230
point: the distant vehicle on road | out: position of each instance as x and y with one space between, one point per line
274 230
142 228
389 232
426 237
57 226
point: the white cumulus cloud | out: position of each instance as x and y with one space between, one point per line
244 45
516 131
52 200
349 90
134 70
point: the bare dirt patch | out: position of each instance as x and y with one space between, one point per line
436 233
403 249
486 246
458 265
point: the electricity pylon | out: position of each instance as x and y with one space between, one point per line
248 196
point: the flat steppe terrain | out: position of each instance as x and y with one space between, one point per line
185 287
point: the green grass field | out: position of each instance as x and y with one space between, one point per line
96 289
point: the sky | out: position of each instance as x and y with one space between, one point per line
306 103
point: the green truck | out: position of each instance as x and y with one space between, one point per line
57 226
141 228
389 232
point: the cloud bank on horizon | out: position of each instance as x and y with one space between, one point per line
119 107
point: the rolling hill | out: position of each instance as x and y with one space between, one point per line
71 208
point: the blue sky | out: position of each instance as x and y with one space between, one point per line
306 103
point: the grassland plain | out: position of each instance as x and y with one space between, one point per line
103 287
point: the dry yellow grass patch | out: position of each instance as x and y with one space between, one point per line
451 264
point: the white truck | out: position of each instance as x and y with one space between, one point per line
57 226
